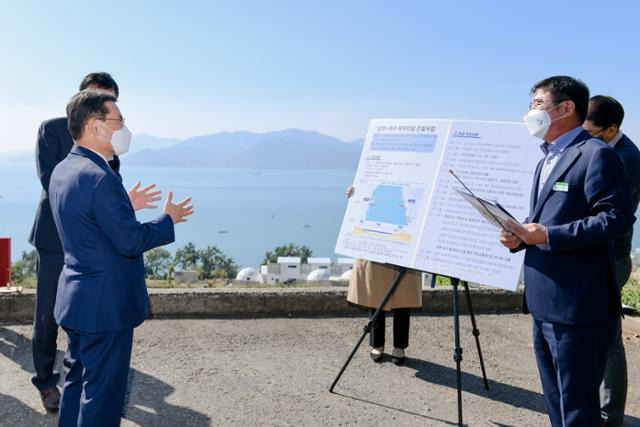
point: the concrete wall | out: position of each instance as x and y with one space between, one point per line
331 301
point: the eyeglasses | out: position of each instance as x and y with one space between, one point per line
540 102
599 133
104 119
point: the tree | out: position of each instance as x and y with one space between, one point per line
288 250
215 264
156 262
186 257
304 253
170 269
25 267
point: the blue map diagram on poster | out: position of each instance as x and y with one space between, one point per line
387 205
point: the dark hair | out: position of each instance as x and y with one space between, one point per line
102 80
565 88
84 105
605 111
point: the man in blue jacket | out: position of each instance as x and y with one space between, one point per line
53 145
101 292
603 121
580 202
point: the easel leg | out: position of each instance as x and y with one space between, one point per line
369 325
476 333
457 353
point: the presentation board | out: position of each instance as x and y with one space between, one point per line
405 210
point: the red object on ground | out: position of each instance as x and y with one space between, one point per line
5 261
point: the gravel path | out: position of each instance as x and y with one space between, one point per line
248 372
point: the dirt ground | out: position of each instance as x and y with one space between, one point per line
276 372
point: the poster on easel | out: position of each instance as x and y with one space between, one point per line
405 209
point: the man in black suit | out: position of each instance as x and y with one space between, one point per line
603 121
53 144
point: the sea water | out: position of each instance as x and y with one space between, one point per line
244 212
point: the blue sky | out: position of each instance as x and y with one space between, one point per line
188 68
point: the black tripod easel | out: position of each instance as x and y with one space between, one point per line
457 354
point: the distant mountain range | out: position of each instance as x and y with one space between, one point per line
285 149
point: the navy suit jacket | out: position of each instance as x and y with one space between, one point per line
630 156
102 286
53 145
573 281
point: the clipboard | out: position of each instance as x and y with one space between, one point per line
491 210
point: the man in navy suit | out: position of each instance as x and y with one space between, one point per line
101 294
53 144
604 119
580 202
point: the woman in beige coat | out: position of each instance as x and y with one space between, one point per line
369 283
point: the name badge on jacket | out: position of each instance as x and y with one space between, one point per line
561 186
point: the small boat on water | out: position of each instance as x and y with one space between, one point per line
307 226
223 231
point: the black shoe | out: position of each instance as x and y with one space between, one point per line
397 357
375 356
50 399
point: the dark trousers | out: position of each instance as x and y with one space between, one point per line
45 328
401 318
613 390
97 367
571 360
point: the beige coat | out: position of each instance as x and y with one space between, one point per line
370 281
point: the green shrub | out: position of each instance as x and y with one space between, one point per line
631 294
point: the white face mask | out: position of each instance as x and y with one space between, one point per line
120 140
539 121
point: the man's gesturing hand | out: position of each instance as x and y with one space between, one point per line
178 211
143 199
